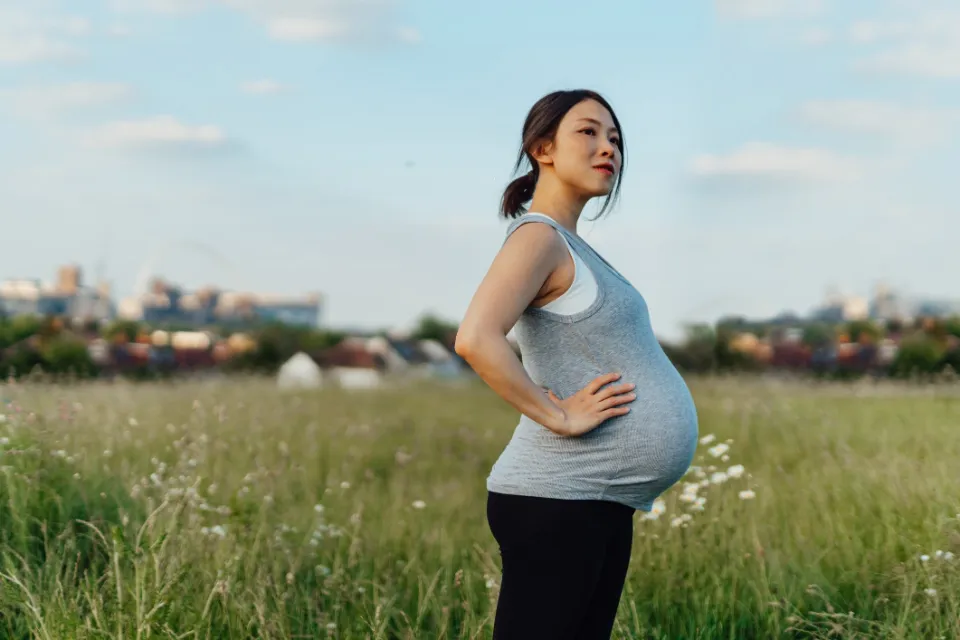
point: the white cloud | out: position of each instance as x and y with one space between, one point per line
816 36
766 161
306 29
756 9
160 131
120 31
927 45
27 37
262 87
161 6
304 20
917 59
409 35
911 125
31 100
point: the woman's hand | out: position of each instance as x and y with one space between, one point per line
589 407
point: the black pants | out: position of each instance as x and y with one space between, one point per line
564 565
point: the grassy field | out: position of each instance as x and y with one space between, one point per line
230 510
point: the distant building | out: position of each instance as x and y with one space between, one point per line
168 304
68 297
840 308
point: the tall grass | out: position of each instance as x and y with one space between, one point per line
231 510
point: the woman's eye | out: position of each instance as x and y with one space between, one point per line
615 141
587 131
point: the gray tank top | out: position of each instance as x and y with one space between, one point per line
630 459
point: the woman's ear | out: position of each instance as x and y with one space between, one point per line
542 152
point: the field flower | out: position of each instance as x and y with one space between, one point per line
930 592
718 450
659 506
924 558
4 442
708 439
719 478
747 495
344 485
419 504
735 471
218 530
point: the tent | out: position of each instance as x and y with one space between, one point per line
299 372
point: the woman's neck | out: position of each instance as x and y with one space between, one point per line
563 207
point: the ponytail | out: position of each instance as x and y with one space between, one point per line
518 193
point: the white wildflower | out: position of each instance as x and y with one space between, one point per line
718 478
344 485
318 508
419 504
4 442
133 422
948 556
930 592
747 495
718 450
924 558
676 522
724 458
735 471
708 439
659 507
938 554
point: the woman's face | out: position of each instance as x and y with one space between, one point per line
585 152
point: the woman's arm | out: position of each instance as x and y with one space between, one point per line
517 274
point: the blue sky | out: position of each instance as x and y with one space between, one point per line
775 147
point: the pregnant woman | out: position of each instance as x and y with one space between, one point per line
607 423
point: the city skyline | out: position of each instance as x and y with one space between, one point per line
775 147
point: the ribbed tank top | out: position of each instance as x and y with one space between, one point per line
583 289
630 459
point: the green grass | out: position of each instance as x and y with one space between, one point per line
190 510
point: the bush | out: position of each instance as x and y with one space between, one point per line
918 355
68 355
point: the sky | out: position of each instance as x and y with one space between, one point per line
776 149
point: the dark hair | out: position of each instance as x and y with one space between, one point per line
542 123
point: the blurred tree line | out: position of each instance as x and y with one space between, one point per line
28 342
928 346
